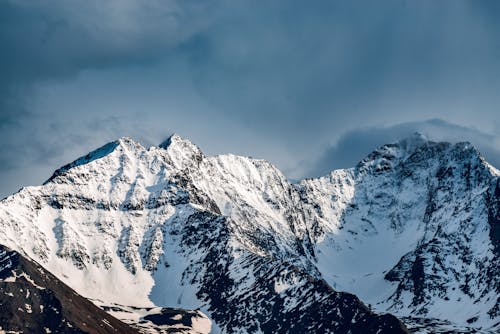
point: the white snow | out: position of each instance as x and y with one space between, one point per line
112 226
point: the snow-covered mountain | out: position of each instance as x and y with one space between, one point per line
412 230
422 222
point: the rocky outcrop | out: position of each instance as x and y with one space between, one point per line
32 300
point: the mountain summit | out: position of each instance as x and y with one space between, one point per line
412 230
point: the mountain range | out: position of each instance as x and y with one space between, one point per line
167 239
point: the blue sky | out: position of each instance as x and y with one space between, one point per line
310 86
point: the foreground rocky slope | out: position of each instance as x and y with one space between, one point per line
34 301
412 230
161 320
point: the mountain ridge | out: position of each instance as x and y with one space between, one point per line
162 215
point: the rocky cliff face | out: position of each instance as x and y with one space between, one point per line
412 230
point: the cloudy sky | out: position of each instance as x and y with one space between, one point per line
308 85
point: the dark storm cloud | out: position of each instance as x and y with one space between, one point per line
53 41
278 80
354 145
329 62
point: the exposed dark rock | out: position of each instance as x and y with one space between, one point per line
32 300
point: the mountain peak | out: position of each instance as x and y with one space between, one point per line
176 140
126 141
416 147
397 150
181 150
171 139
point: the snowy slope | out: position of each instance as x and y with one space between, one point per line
420 221
166 226
412 230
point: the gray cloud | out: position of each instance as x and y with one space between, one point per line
280 80
60 38
354 145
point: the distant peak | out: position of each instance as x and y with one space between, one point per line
176 142
129 143
125 140
181 150
418 140
174 138
417 147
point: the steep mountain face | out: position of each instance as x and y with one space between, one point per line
421 220
412 230
34 301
